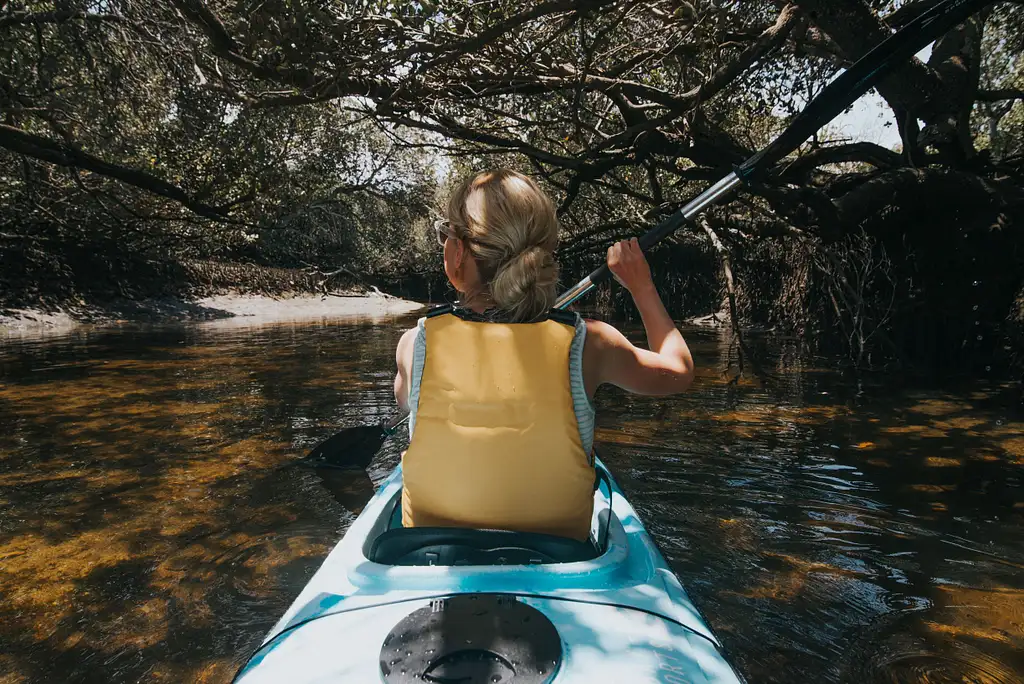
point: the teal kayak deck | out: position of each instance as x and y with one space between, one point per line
622 616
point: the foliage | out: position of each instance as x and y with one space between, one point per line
308 134
163 169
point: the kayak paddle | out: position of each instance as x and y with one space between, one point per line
355 447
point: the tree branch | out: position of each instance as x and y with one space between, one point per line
909 12
771 38
907 188
867 152
22 18
45 149
485 37
225 46
1000 94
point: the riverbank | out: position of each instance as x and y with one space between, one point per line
231 308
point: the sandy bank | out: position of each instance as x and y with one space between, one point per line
249 309
14 322
220 310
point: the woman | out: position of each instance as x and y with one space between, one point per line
500 387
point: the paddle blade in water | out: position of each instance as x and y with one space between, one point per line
351 448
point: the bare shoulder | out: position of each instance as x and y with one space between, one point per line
601 335
403 359
408 337
604 343
403 353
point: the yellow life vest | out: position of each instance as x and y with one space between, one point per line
496 444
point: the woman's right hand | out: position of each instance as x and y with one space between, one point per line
628 264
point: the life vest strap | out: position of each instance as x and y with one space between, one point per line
494 316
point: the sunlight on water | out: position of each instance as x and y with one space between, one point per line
151 528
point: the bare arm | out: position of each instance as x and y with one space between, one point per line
667 366
403 358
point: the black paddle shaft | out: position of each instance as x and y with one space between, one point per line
867 72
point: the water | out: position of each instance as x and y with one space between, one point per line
830 530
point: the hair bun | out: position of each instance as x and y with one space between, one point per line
525 284
512 230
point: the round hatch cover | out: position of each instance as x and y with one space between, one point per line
472 639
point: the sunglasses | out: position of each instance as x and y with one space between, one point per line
443 231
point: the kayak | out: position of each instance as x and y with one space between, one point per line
447 605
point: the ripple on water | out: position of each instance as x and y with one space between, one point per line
906 648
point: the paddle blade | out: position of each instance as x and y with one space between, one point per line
352 448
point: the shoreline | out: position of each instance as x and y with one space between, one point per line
234 309
227 309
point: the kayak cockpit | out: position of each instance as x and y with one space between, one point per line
391 544
456 546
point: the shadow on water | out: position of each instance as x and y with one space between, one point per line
145 530
836 531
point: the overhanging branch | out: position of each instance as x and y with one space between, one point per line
22 18
771 38
866 152
1000 94
45 149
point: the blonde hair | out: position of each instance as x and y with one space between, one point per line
511 229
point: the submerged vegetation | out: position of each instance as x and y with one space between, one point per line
138 140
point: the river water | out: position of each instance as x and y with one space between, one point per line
830 529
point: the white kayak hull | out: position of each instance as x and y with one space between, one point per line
619 617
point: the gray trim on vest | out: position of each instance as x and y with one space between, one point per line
582 406
419 356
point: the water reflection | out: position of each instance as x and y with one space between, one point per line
147 530
152 527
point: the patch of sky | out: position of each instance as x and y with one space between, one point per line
869 119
